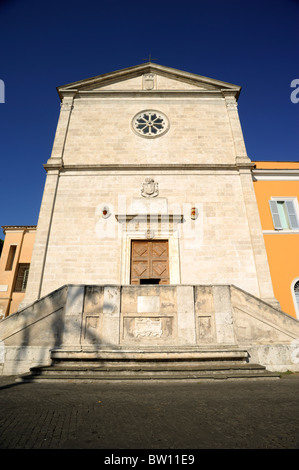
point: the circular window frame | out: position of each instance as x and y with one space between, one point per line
150 136
296 307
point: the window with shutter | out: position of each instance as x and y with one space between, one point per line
284 214
22 277
275 215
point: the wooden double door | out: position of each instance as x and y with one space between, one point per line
149 262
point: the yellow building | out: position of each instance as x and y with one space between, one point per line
14 266
276 187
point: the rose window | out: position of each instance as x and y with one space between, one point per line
150 124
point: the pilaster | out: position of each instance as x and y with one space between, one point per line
235 125
66 107
223 315
257 240
186 315
35 279
73 314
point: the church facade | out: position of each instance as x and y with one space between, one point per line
149 236
149 179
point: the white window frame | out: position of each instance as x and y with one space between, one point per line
278 228
294 296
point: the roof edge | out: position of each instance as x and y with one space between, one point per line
131 72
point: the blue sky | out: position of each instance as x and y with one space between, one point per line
44 44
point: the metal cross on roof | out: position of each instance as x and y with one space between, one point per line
150 59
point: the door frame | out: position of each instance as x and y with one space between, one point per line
173 255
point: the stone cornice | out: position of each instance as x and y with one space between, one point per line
77 94
172 218
153 93
18 227
175 166
276 174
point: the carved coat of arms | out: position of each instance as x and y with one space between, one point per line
149 81
149 188
147 327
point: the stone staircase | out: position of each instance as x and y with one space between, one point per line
148 364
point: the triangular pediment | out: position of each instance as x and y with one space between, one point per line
148 77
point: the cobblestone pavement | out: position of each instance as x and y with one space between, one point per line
258 414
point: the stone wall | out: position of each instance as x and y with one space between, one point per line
75 244
100 132
160 318
26 337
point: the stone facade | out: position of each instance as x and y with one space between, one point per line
98 161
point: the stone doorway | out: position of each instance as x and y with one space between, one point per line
149 262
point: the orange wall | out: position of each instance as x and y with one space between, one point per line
283 258
282 248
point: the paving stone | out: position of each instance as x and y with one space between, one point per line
151 415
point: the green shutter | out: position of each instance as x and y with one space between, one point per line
275 215
293 219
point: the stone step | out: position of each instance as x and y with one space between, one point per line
183 354
148 364
129 363
91 378
147 369
149 372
